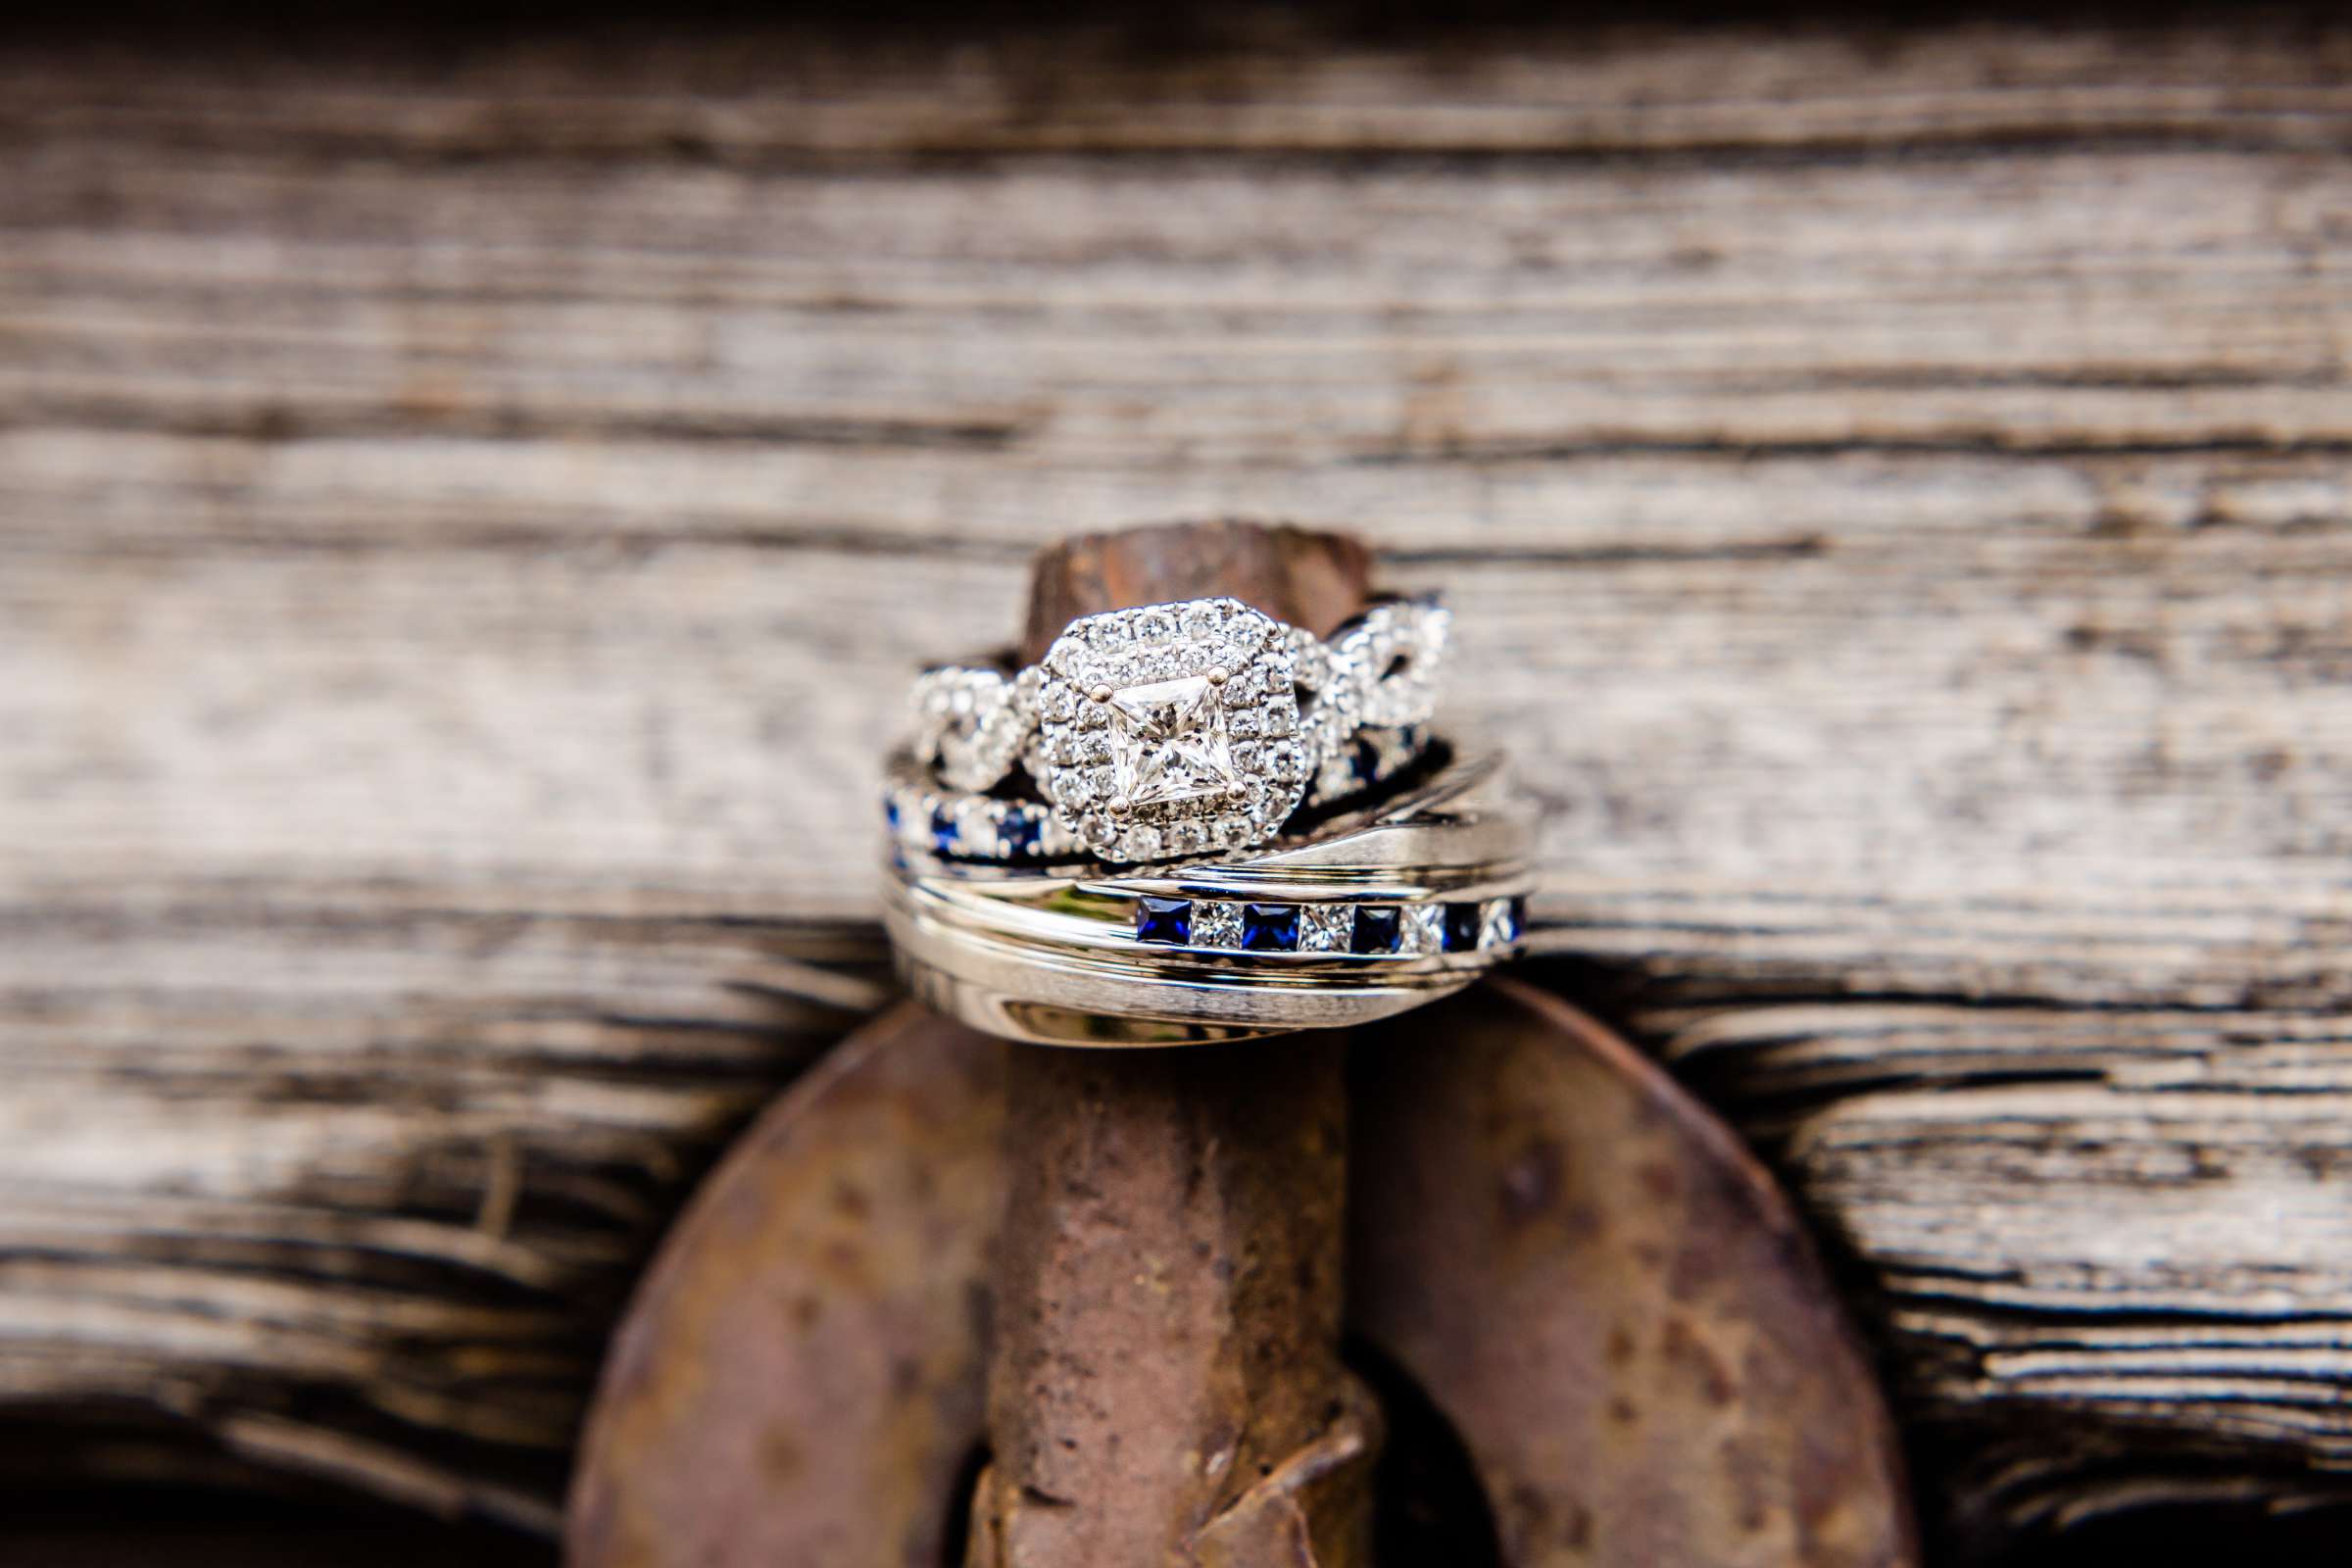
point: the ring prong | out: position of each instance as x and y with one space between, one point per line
1218 676
1101 694
1119 806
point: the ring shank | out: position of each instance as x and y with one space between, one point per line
1058 957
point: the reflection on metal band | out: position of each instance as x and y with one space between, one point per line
1375 912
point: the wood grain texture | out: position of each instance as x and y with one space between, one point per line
461 506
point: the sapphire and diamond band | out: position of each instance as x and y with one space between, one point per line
1363 930
1168 730
1377 908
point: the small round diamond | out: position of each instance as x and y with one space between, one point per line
1394 658
1017 834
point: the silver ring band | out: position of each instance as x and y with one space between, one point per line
1373 913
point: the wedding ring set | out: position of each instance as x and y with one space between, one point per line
1190 823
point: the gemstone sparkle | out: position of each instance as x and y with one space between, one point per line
1326 927
1499 927
1164 921
1219 926
1168 742
1017 834
1270 927
1378 929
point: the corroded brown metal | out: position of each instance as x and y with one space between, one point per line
1612 1302
801 1377
1167 1385
1306 577
1584 1270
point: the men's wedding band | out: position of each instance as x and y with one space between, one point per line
1376 911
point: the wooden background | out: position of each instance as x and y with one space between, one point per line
470 501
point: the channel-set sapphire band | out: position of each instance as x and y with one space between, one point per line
1376 909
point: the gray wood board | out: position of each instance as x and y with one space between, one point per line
466 515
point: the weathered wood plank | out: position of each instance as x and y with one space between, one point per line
457 524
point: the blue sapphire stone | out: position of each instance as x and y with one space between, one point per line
890 811
1017 833
1462 927
1270 927
1167 920
944 837
1518 918
1377 928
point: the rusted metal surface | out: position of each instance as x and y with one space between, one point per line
1582 1268
1608 1296
1308 578
1167 1384
800 1380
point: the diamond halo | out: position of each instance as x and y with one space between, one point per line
1171 729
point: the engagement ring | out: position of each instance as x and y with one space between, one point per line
1166 730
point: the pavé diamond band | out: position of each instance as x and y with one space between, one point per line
1166 730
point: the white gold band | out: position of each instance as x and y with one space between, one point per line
1369 914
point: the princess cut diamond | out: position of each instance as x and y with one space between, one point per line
1326 927
1168 742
